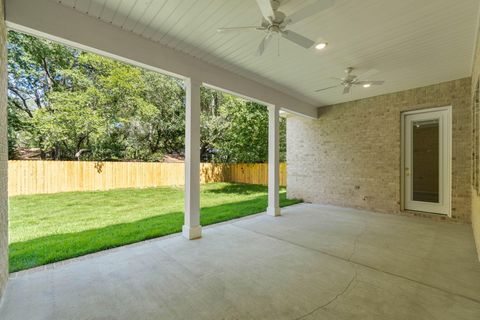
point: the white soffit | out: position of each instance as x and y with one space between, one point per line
411 43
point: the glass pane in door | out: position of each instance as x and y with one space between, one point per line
425 161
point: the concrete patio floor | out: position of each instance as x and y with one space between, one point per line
314 262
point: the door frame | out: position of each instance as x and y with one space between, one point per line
447 174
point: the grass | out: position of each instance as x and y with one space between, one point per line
55 227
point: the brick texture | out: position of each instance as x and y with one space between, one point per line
350 156
3 156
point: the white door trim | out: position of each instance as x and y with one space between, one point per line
447 166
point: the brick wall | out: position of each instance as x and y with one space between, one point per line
3 157
350 156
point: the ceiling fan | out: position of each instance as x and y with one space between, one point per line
275 22
351 80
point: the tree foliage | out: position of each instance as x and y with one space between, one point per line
72 104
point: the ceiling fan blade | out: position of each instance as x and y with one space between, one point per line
252 28
298 39
317 6
346 90
323 89
373 83
266 9
264 43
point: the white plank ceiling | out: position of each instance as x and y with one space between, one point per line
411 43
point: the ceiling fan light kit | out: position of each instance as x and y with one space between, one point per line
277 23
351 80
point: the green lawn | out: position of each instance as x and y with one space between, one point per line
49 228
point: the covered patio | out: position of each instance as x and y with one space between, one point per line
373 239
313 262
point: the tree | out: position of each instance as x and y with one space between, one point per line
33 73
70 103
235 130
162 132
76 105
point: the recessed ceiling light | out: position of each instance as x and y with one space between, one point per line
321 45
367 85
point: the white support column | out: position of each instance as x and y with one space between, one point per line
273 208
3 156
191 226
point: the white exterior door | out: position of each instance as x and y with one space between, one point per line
426 160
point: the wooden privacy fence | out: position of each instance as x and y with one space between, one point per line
37 177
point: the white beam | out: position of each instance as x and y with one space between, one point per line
51 20
273 208
191 228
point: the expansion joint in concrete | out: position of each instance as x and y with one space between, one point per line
338 295
363 265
